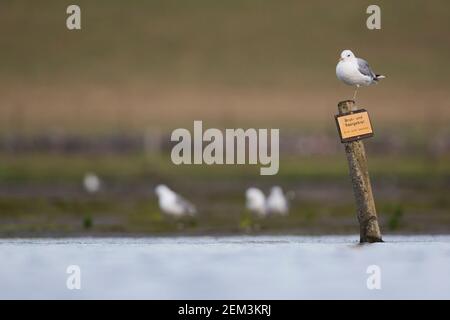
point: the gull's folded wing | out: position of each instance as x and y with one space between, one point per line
364 68
186 205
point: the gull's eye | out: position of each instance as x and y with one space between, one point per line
348 56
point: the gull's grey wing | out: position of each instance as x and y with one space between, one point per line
189 207
364 68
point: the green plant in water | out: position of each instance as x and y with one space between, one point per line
246 222
395 218
87 222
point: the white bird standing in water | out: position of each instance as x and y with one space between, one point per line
172 204
277 202
355 71
91 183
256 201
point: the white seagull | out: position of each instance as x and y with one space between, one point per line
277 201
91 183
172 204
256 201
355 71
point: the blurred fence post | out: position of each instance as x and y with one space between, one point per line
362 189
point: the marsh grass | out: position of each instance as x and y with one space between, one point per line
43 194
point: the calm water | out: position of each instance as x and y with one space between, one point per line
229 267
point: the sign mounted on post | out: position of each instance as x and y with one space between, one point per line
354 125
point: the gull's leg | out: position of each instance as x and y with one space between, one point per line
356 90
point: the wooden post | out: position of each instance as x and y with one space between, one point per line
359 173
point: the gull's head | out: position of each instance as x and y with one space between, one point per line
253 193
162 190
256 201
255 197
346 54
276 190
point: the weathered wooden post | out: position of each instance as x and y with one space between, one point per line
354 125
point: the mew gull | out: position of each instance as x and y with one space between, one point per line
91 183
355 71
256 201
172 204
277 202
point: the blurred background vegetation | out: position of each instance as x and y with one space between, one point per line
105 99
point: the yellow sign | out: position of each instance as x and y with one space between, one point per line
354 125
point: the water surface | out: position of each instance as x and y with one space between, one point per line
264 267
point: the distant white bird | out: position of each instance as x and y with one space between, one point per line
355 71
277 202
256 201
173 204
91 183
